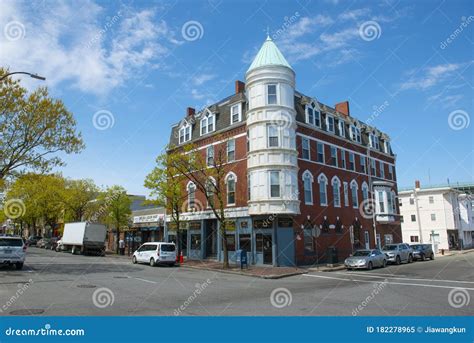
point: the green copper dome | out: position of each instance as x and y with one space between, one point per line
269 54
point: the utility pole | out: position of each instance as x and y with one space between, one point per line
415 195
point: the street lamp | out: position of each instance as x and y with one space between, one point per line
34 76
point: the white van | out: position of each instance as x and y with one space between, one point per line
155 253
12 251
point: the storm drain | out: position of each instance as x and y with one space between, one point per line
27 312
86 286
121 277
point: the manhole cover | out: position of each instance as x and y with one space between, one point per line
86 286
27 312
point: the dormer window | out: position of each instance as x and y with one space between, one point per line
185 133
313 116
341 128
355 134
271 94
386 147
374 141
208 124
235 113
330 123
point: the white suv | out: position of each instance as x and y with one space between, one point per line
12 251
155 253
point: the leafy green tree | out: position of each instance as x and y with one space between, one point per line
78 198
167 185
33 129
116 205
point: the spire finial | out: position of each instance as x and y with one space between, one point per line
268 33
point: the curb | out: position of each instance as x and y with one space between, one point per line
270 277
326 269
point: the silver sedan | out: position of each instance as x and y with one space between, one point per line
366 259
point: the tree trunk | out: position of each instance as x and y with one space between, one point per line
117 240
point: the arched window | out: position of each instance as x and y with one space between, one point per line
191 188
210 191
323 195
230 181
336 191
355 197
185 133
208 122
313 115
308 187
365 191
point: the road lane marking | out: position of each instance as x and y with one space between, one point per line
144 280
403 278
388 282
356 273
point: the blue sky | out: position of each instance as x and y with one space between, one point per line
139 64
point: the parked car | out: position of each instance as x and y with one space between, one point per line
53 243
155 253
366 259
32 240
60 246
398 253
43 243
12 251
422 251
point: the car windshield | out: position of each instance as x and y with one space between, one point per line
167 247
9 242
390 247
418 247
362 253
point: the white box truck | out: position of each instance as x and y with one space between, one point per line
84 237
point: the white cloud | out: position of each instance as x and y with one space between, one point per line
430 76
93 50
200 79
354 14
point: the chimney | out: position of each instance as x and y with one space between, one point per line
190 111
417 184
239 87
343 107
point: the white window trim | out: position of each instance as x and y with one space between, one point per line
206 117
227 150
346 193
337 160
316 113
278 136
309 148
308 174
277 90
184 128
352 184
365 186
323 177
342 127
240 113
234 176
188 186
270 183
317 152
335 180
333 123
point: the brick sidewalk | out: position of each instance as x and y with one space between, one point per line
253 271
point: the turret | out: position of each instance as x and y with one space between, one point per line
272 157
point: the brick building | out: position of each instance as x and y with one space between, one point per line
306 182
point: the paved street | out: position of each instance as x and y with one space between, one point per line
62 284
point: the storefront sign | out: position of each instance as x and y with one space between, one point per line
150 218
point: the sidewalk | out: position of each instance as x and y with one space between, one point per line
253 271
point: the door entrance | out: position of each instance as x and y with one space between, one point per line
267 249
367 239
210 235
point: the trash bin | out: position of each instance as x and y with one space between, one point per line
331 254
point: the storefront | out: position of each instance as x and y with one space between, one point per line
147 226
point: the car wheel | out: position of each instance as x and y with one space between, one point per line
369 266
134 260
152 262
410 258
384 263
19 266
432 257
398 260
422 257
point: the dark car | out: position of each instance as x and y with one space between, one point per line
32 240
422 252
